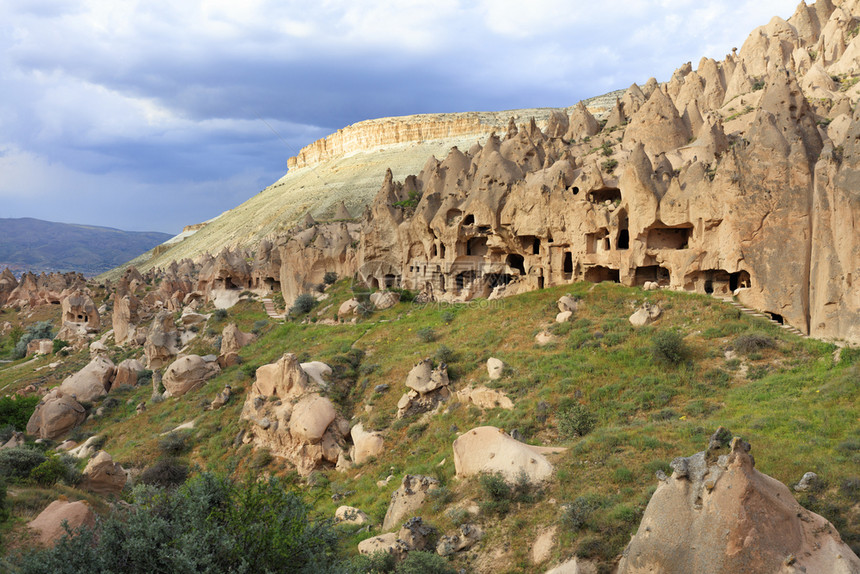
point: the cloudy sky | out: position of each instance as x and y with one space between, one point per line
153 114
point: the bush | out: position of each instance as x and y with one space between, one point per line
40 330
752 343
208 525
445 355
220 314
329 277
165 473
669 347
303 304
420 562
576 421
18 463
426 334
16 411
174 443
501 494
55 469
574 515
59 345
258 326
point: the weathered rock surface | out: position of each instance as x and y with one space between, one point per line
232 341
485 398
490 449
103 476
49 523
718 514
366 444
428 386
466 537
350 515
407 499
162 341
188 373
495 368
645 315
91 382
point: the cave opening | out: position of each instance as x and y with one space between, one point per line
669 237
517 262
567 265
599 273
739 279
611 194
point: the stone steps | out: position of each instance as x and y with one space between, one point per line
269 306
756 313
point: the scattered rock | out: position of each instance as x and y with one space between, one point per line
350 515
567 304
808 481
103 476
388 543
408 498
91 382
495 368
221 398
465 538
485 398
49 524
428 387
563 317
645 315
366 445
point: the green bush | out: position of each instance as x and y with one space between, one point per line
749 343
576 421
174 443
19 462
500 493
208 525
220 314
40 330
426 334
420 562
165 473
329 277
54 469
303 304
16 411
574 515
669 347
59 345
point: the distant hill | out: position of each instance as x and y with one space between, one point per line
28 244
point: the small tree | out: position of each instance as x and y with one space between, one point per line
329 277
303 304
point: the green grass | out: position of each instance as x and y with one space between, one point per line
796 407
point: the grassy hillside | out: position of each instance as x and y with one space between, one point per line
790 397
28 244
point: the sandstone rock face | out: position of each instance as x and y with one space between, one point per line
162 341
291 418
718 514
8 283
384 299
188 373
79 310
40 347
232 340
126 373
489 449
91 382
103 476
463 539
365 444
407 499
389 543
49 523
125 318
317 371
55 415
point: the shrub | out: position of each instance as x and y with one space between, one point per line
210 524
258 326
753 342
19 462
53 470
445 355
609 165
165 473
574 515
420 562
303 304
501 494
380 562
669 347
220 314
426 334
16 411
40 330
329 277
59 345
174 443
447 317
576 421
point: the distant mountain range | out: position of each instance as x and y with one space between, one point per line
28 244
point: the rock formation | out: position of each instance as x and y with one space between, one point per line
92 382
490 449
718 514
50 523
188 373
55 415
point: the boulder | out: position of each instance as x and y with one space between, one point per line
574 566
407 499
485 398
103 476
40 347
718 514
350 515
563 317
162 341
188 373
566 303
16 440
232 340
423 378
317 371
126 372
645 315
388 543
221 398
91 382
284 379
365 444
489 449
463 539
49 523
495 368
416 534
55 415
348 307
384 299
311 417
98 348
808 481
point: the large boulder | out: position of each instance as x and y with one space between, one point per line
489 449
485 398
55 415
49 524
188 373
427 387
103 476
365 444
717 514
162 341
317 371
407 499
311 417
126 372
232 340
91 382
645 315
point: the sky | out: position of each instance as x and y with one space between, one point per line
154 114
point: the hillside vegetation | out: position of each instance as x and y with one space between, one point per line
624 401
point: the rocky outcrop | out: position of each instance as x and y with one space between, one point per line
407 499
189 373
80 316
8 283
92 382
127 373
489 449
718 514
162 341
103 476
428 386
55 415
366 445
289 416
50 525
232 340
